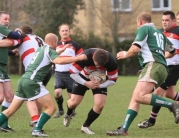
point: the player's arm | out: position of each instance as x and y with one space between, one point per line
9 42
133 50
67 60
90 84
59 51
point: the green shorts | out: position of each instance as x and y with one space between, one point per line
3 74
154 72
30 90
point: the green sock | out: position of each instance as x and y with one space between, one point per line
3 118
130 115
159 101
42 120
6 123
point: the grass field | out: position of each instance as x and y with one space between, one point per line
111 117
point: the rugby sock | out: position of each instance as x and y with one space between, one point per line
3 118
130 115
35 118
176 97
154 113
91 117
69 110
158 101
5 105
42 120
59 101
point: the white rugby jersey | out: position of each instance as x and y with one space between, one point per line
173 35
71 51
28 47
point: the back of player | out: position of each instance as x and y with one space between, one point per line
27 49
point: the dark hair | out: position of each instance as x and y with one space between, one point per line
172 14
26 29
101 57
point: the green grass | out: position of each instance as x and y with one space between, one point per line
111 117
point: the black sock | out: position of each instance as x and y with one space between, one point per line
154 113
176 97
69 110
59 101
91 117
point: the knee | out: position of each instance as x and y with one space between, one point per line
58 92
9 97
99 107
72 103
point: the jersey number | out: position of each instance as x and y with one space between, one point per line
160 40
39 41
34 57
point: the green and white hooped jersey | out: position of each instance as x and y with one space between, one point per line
40 63
153 44
4 32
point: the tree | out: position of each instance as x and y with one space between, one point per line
46 16
111 20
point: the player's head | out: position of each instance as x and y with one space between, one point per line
143 18
4 18
100 57
168 19
177 17
26 29
51 39
64 31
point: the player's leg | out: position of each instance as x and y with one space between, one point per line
15 105
168 88
77 95
1 92
8 97
59 85
142 94
99 102
43 98
33 112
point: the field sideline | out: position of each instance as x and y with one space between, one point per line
111 117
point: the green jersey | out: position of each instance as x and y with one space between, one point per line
40 63
153 44
4 32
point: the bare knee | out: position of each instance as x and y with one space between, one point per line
58 92
72 103
9 97
98 107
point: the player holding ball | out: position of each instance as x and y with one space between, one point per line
102 63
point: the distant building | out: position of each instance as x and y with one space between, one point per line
106 18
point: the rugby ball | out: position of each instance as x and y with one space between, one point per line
98 75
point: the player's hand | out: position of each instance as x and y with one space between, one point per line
92 84
15 51
121 55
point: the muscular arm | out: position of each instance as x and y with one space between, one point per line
133 50
67 60
6 43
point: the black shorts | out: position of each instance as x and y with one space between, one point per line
79 89
172 77
63 81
